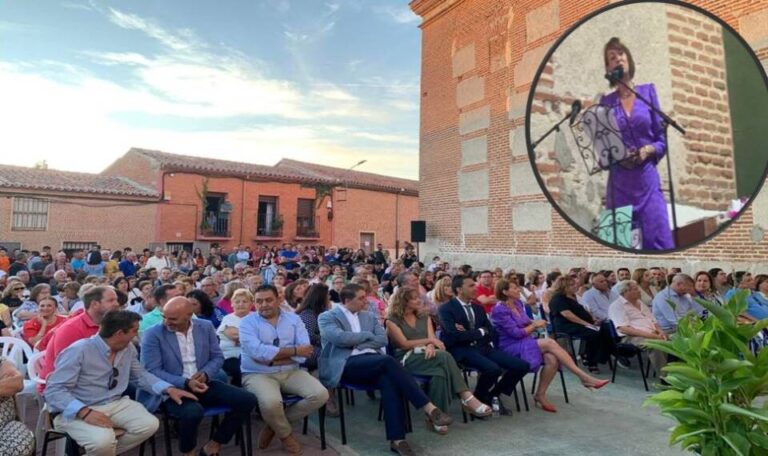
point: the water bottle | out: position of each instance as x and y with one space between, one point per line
496 407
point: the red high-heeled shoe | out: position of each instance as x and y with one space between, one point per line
597 385
546 407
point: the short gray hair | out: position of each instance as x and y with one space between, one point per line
682 278
624 286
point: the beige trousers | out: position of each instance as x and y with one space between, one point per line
138 423
269 389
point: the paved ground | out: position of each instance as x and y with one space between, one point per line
611 421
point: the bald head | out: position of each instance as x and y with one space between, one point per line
177 314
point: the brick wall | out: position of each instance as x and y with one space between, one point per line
706 177
111 227
363 211
504 219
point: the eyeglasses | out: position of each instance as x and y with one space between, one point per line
276 342
19 289
113 378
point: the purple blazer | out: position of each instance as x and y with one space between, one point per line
513 338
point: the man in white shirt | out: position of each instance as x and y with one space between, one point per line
634 321
159 261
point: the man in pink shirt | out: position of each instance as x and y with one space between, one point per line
98 301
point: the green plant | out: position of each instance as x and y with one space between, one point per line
712 389
321 191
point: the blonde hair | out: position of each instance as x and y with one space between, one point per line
243 292
399 301
438 292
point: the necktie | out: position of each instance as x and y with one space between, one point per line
470 316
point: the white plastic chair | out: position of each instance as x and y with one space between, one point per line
14 350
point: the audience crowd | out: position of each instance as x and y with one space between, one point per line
126 334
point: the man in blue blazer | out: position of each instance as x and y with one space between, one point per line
352 339
185 353
468 336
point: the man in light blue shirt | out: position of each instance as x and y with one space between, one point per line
599 298
679 293
273 344
86 389
742 280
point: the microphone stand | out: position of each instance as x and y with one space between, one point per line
667 121
556 127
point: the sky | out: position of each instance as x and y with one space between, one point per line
330 82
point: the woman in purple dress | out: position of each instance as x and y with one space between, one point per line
515 331
635 181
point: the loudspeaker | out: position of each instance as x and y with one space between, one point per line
418 231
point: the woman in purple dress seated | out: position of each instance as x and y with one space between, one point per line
635 181
515 331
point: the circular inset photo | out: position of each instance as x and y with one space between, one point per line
647 126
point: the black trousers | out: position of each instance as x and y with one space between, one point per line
387 374
232 368
599 344
190 413
491 364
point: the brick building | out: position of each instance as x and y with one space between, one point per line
148 198
477 190
69 210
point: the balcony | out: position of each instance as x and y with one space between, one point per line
215 225
269 226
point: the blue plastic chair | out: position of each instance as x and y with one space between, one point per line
627 351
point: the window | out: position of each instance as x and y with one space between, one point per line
305 218
71 247
175 247
30 214
269 223
216 219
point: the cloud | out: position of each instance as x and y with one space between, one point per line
185 77
77 5
400 14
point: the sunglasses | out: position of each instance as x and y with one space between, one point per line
113 378
19 289
276 342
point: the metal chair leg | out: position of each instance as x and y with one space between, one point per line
642 372
613 370
342 421
321 416
525 396
565 389
535 378
167 436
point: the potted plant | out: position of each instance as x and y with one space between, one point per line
712 390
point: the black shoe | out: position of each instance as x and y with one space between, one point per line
503 411
402 448
623 362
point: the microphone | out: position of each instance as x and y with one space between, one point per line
616 74
575 110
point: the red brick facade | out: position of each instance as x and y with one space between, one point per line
477 191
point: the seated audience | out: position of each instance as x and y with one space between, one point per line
97 302
742 280
47 319
352 343
635 323
570 317
412 335
642 277
229 333
185 353
705 289
337 283
29 309
678 292
484 291
274 343
144 303
15 438
13 294
69 297
468 335
86 391
757 303
225 303
161 295
598 299
294 294
203 307
516 332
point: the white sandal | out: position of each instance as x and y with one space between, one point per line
481 411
